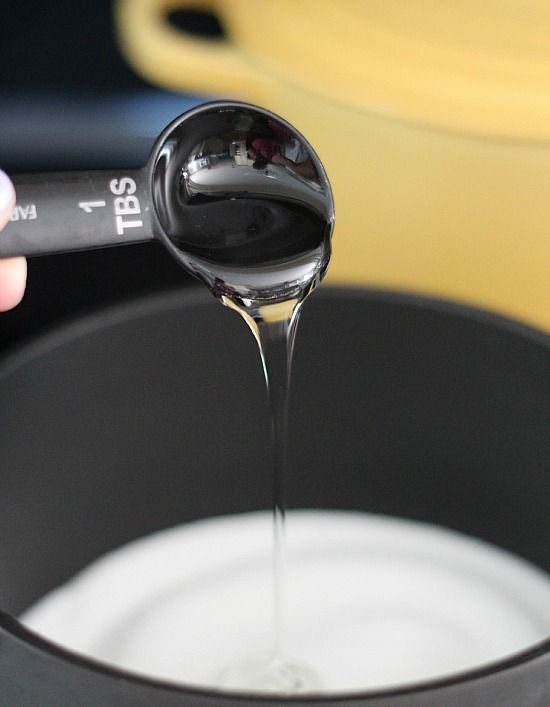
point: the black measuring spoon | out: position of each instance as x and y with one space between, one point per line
236 194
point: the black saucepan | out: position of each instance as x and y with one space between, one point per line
139 417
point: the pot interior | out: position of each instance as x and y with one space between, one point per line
153 414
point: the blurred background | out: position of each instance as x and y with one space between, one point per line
433 120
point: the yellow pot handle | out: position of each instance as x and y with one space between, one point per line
181 61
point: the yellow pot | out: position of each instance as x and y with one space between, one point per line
432 118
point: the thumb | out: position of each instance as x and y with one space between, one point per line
13 271
7 199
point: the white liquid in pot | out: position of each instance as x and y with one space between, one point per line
371 602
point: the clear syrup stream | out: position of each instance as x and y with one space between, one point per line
276 344
274 328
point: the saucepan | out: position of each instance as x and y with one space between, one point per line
152 414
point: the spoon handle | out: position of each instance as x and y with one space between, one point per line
66 211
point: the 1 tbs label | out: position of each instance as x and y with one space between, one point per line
126 204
